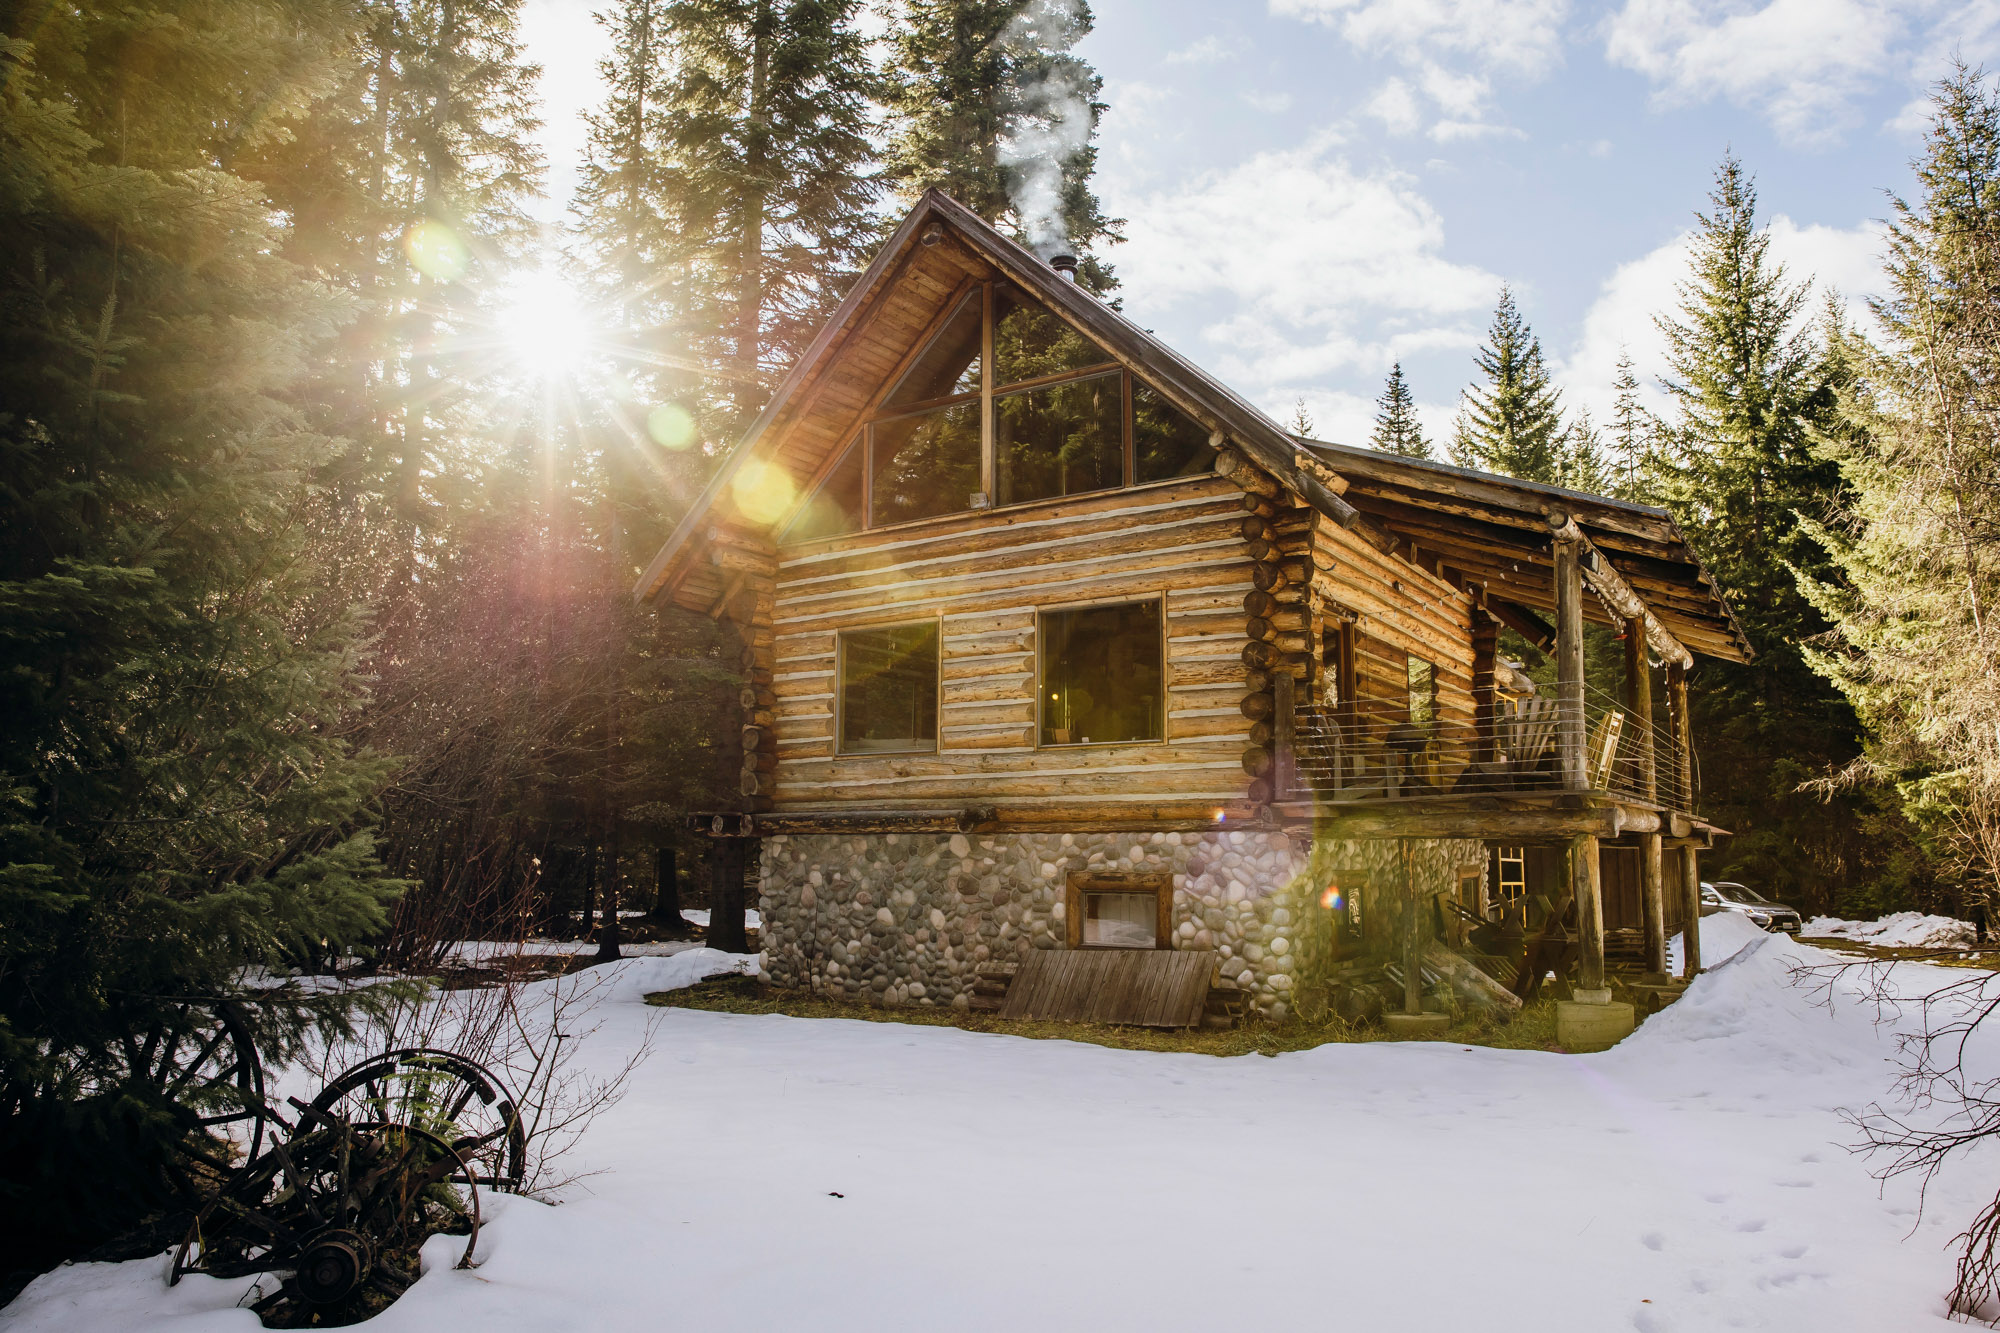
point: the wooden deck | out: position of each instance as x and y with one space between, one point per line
1156 988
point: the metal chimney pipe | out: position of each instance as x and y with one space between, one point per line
1064 265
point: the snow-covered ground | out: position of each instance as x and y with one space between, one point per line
1898 930
781 1173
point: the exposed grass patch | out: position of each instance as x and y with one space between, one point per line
1978 956
1534 1029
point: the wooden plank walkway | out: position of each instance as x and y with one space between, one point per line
1155 988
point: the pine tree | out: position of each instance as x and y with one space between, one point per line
181 800
1580 462
1736 467
1918 543
1632 430
1514 424
993 107
1302 420
764 168
1397 430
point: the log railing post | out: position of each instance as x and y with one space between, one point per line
1569 664
1284 734
1681 798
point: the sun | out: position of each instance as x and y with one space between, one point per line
543 324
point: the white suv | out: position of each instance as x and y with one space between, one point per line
1763 913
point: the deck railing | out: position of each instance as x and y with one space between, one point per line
1373 751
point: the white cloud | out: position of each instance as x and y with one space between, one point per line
1210 50
1316 270
1456 131
1270 103
1844 260
1451 47
1802 63
1518 36
1395 105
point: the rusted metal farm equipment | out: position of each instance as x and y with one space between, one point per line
336 1205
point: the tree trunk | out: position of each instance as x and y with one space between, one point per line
667 896
609 936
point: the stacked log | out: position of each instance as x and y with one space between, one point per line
749 606
1277 537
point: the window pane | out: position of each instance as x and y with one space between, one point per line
1423 692
835 508
1101 674
950 365
1060 440
1166 442
1030 340
1121 920
926 464
889 689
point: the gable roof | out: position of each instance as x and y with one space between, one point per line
941 245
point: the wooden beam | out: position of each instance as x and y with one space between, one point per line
1652 903
1421 819
1690 885
1609 584
1523 622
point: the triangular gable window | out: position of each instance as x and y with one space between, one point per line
835 508
1032 342
950 365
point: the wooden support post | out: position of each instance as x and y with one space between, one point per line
1690 878
1589 890
1569 666
1485 701
1652 886
1283 733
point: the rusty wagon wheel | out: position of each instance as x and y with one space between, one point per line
199 1060
338 1214
457 1098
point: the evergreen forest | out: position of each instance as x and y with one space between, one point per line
317 642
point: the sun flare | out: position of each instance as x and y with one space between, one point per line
543 324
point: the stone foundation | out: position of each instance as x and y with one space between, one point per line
908 918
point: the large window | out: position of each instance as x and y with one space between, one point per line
1057 416
1101 674
889 689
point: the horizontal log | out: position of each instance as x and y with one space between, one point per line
736 557
1268 577
1254 528
1257 602
755 738
1257 504
1609 584
1261 732
759 761
756 696
1259 656
1257 682
1259 791
758 784
1261 549
1256 706
1286 617
1257 760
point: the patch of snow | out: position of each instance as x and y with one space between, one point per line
1898 930
773 1172
698 916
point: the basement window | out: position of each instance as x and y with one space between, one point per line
1060 439
1104 911
1423 682
889 689
1101 674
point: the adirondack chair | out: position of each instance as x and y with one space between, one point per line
1602 749
1530 733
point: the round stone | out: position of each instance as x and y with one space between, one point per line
959 846
1281 946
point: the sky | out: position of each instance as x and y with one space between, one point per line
1314 189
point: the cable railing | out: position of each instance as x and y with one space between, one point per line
1372 751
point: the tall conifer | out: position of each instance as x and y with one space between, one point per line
1632 431
1397 430
1512 424
993 107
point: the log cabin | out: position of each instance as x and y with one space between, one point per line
1050 641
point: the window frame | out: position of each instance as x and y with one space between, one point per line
878 410
1159 598
1081 882
839 709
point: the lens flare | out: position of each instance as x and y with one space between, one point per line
543 324
1330 899
671 426
763 491
435 251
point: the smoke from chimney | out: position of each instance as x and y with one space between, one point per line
1053 122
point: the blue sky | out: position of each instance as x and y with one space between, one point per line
1314 188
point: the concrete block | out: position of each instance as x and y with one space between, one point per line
1593 1027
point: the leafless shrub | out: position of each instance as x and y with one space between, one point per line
1941 1107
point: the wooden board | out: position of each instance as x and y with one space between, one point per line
1155 988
